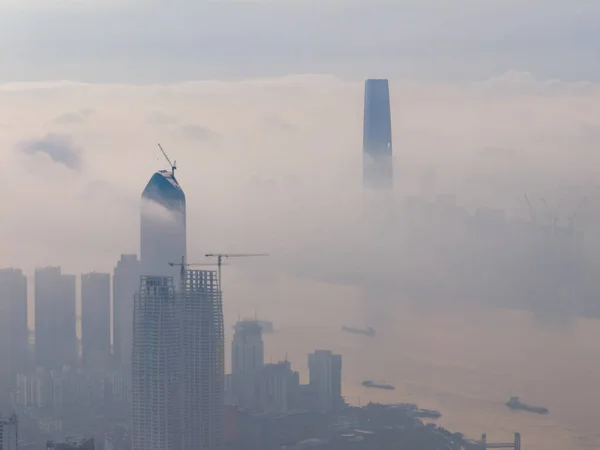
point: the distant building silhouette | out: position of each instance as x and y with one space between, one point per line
247 361
95 319
73 443
13 327
9 433
55 318
126 282
163 226
279 388
325 374
377 136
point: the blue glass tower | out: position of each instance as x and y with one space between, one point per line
163 226
377 136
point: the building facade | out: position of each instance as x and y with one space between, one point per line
126 281
95 319
325 379
14 348
156 366
203 361
9 433
279 388
378 172
55 318
163 226
247 362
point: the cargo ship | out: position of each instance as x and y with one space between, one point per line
515 403
369 331
372 384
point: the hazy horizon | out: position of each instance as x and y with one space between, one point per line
260 102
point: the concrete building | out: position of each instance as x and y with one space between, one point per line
325 379
247 361
378 172
72 443
55 318
279 388
95 319
13 328
203 361
9 433
126 281
156 366
163 226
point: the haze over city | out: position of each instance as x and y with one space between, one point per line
478 269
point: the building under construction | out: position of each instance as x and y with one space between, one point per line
156 366
178 363
203 359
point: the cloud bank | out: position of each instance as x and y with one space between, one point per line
269 164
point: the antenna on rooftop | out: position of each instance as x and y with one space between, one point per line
172 164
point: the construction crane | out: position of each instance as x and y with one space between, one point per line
572 216
173 165
552 215
530 209
183 265
220 257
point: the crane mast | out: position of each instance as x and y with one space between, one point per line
221 256
173 165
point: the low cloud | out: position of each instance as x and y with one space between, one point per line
198 133
77 117
59 148
161 118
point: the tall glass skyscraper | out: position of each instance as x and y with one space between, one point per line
163 226
378 170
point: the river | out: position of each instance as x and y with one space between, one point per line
464 364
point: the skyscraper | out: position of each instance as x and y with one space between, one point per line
95 319
325 378
126 281
203 361
55 318
378 171
247 361
13 327
163 226
156 366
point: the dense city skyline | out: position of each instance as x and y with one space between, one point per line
424 178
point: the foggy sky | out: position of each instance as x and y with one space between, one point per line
139 41
268 165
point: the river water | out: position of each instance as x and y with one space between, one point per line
465 365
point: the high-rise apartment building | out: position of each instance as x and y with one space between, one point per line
378 172
9 433
279 388
72 443
203 361
14 346
95 319
126 281
247 361
156 366
325 379
55 318
163 226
